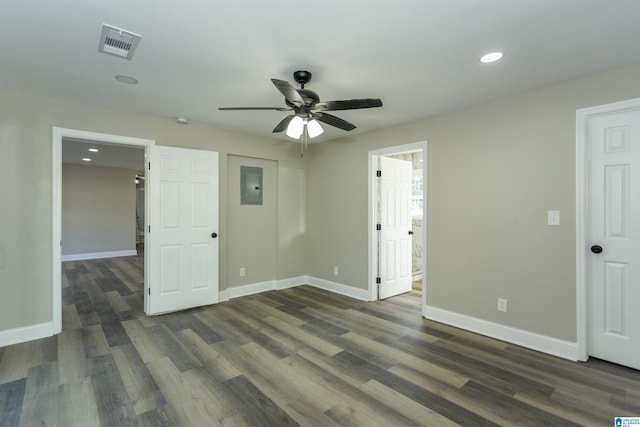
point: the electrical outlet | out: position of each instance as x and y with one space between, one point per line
502 305
553 217
335 271
242 271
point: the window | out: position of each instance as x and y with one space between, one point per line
417 199
417 181
417 205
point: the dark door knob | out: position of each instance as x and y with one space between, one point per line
596 249
410 231
214 235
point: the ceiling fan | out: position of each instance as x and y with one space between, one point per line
308 110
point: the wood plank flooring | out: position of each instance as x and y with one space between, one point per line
300 356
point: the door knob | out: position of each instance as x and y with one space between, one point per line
410 231
596 249
214 235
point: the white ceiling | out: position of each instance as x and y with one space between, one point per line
419 57
108 155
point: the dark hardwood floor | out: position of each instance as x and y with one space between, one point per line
300 356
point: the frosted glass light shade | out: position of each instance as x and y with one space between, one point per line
314 128
295 128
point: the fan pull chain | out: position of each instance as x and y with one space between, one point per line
304 140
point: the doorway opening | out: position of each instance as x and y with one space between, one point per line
416 154
89 140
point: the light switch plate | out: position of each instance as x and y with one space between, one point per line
553 217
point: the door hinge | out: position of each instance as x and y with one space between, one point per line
149 165
149 290
378 173
378 227
149 229
378 280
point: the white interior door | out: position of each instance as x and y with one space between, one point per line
183 241
614 212
395 220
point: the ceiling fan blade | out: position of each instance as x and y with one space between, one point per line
255 108
334 121
283 124
350 104
290 93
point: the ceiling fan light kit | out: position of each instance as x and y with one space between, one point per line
314 128
295 128
308 110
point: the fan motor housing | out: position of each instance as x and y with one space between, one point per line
310 98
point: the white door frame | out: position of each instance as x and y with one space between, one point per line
58 135
373 259
582 215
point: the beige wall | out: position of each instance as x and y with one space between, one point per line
253 227
493 172
26 123
98 209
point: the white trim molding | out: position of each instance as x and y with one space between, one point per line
256 288
272 285
57 135
26 333
292 282
98 255
253 288
550 345
339 288
372 253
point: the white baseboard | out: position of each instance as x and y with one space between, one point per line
292 282
223 296
339 288
26 333
253 288
98 255
256 288
554 346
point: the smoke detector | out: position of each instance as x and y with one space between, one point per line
118 42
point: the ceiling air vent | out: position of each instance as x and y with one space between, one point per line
118 42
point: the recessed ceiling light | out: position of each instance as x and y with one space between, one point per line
86 159
491 57
126 80
182 120
93 150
